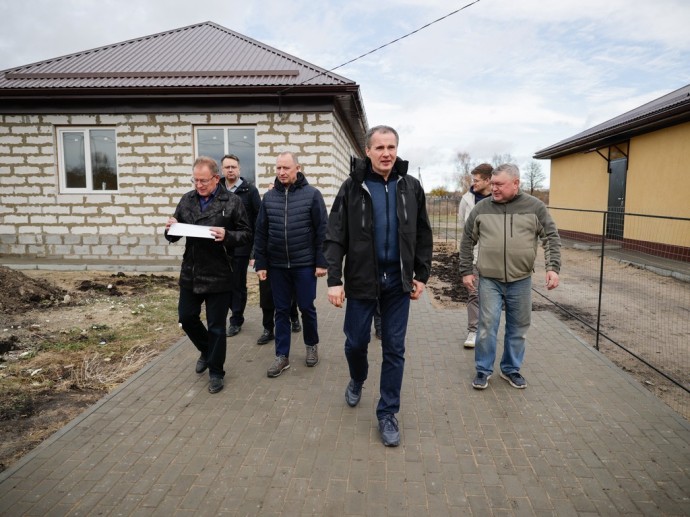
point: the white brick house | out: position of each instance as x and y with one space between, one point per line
96 147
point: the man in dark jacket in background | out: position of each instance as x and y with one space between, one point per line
379 225
249 195
288 251
206 273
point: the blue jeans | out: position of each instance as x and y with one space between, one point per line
395 309
211 342
298 284
517 297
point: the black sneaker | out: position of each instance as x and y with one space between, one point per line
215 385
515 379
296 327
312 355
201 364
481 381
233 330
280 364
353 392
388 429
265 337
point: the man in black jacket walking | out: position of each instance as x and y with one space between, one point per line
249 195
206 272
379 225
288 251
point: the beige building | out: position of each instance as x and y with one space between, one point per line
96 147
633 166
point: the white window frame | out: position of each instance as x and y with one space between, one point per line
227 149
85 130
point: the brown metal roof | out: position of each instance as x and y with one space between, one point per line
201 55
199 68
669 110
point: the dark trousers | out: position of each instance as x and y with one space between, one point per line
268 308
210 342
239 290
298 284
395 307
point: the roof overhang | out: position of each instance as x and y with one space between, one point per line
612 133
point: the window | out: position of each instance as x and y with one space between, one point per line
87 159
219 141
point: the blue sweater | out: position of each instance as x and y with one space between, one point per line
385 220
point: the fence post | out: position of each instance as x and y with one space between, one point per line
601 276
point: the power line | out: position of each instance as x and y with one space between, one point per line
383 46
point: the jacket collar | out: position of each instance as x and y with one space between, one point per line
299 183
360 167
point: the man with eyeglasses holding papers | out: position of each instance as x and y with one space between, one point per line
206 273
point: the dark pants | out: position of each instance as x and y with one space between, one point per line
239 290
395 307
298 284
210 342
268 308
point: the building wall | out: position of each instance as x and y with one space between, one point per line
154 153
654 186
579 181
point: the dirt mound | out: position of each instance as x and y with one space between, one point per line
19 292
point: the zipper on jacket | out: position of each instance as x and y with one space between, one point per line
505 244
386 244
285 229
403 198
364 206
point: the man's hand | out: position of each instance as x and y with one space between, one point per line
551 280
171 221
218 233
468 282
320 271
262 274
336 295
417 289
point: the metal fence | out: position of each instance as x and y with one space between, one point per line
625 287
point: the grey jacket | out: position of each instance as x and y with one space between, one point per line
507 235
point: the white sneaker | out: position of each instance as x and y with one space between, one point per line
471 340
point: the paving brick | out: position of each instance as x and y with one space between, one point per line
161 445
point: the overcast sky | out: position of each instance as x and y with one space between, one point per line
501 76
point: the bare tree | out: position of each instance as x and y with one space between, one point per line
500 159
462 178
533 178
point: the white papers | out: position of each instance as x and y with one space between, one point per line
190 230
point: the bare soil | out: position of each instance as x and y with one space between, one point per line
67 339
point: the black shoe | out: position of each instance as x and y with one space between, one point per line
296 327
265 337
201 365
215 385
353 392
233 330
388 429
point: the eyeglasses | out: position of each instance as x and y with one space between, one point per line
202 182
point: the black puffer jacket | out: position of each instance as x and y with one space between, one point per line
350 233
206 263
249 195
290 227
